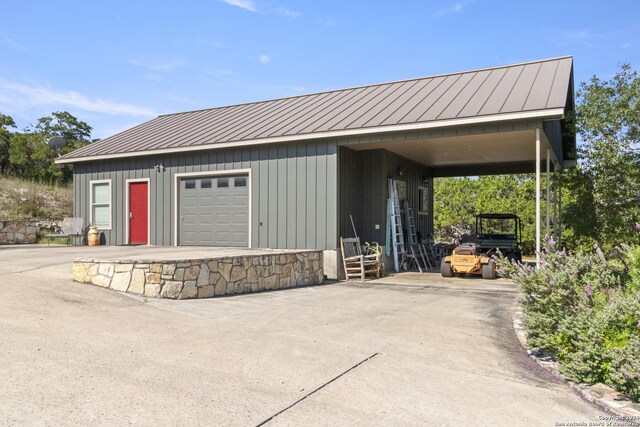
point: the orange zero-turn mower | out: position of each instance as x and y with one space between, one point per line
465 259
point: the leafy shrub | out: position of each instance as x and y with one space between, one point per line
625 369
634 266
581 308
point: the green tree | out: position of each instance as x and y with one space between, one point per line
606 186
454 207
29 155
511 194
31 158
458 200
65 125
6 122
579 218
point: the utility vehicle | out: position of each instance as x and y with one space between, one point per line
494 232
500 231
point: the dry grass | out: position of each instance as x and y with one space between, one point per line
30 200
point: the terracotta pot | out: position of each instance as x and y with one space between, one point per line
93 237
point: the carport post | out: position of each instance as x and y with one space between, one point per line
559 216
548 231
537 197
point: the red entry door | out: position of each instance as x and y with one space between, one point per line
138 213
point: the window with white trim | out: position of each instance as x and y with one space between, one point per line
101 204
423 201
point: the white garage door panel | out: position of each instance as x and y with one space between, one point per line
216 213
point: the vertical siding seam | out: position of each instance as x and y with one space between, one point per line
317 194
326 196
286 193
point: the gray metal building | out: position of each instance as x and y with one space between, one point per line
288 173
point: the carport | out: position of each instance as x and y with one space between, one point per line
499 121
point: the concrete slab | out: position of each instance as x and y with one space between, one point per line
445 354
435 280
167 253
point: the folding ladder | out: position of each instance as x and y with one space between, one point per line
415 253
397 236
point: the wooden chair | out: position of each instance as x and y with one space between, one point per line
355 263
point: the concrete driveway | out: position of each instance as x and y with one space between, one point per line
409 350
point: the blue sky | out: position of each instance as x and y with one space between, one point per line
115 64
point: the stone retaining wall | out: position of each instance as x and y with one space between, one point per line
204 278
17 232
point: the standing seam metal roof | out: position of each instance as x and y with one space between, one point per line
533 86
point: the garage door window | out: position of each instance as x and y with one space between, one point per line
190 184
240 182
223 182
205 183
101 204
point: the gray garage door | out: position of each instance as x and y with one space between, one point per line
214 211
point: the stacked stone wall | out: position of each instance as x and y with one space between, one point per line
17 232
204 278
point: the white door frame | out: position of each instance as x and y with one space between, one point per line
176 199
127 237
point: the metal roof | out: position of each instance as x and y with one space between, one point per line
532 89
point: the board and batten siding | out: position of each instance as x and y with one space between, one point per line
293 192
414 175
363 180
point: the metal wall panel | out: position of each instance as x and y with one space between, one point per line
293 197
364 191
414 175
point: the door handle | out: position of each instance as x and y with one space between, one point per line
130 215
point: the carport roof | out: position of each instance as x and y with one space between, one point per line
540 89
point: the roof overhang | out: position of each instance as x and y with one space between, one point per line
502 148
547 114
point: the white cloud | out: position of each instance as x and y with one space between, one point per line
22 96
287 12
220 72
211 43
155 78
110 131
585 37
456 8
181 99
11 42
280 88
264 58
158 66
328 22
243 4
